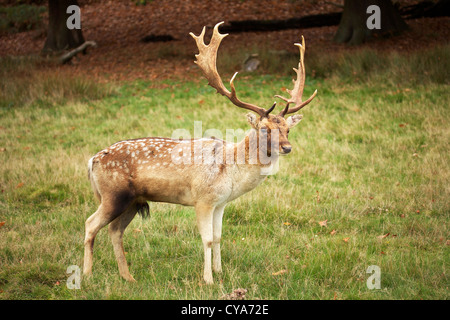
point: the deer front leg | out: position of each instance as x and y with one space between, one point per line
217 234
205 226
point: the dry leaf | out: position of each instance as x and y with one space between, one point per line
237 294
279 272
346 239
2 223
333 232
286 223
323 223
384 235
20 185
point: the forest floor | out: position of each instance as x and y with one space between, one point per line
119 26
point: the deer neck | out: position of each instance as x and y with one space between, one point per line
253 151
247 170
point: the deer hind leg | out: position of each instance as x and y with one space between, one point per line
106 212
204 215
116 230
217 234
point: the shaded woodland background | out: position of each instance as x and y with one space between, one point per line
120 29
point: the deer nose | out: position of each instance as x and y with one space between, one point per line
286 149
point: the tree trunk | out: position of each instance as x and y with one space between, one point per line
59 37
353 25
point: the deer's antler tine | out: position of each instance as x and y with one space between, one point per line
299 84
207 61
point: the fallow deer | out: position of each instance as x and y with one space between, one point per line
129 173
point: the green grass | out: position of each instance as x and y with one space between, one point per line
371 157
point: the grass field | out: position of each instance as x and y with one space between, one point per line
367 184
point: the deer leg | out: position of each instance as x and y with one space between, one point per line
116 230
217 234
106 212
205 226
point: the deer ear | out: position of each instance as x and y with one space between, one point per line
252 119
294 120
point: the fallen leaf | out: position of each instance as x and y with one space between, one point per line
279 272
286 223
333 232
237 294
2 149
2 223
20 185
346 239
384 235
323 223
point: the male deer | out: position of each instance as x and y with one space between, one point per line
129 173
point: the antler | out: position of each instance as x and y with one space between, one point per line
297 92
206 60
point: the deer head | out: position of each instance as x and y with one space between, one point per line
261 120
